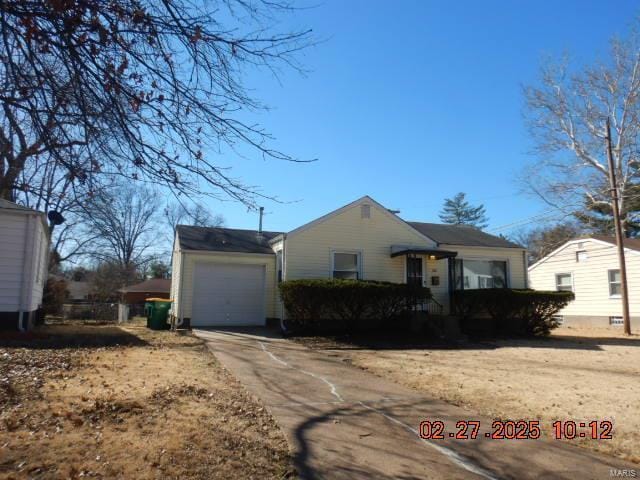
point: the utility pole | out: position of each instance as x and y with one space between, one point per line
619 236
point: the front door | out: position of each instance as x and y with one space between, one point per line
414 271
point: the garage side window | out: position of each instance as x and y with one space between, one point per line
346 265
615 283
564 282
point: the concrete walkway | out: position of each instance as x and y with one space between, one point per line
344 423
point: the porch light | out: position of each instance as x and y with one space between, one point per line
432 257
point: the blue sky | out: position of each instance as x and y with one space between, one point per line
411 102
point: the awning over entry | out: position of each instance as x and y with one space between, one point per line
435 253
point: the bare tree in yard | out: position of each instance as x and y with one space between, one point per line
159 269
142 89
567 114
125 223
541 241
46 185
109 277
196 214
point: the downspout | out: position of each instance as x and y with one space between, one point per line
21 307
525 262
34 265
284 277
180 306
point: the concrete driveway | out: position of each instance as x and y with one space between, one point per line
342 422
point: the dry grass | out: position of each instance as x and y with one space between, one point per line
576 374
105 402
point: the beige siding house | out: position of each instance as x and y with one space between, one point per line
226 276
589 267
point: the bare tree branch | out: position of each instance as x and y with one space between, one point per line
566 114
147 90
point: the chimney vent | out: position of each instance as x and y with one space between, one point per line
260 222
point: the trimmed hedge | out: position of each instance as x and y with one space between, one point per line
316 303
515 311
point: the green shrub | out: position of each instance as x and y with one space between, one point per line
343 303
514 311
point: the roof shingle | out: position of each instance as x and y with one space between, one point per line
224 239
632 243
6 204
153 285
464 235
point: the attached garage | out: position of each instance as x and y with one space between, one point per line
228 294
222 277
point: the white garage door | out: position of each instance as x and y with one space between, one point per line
228 295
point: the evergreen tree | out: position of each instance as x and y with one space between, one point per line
458 211
597 213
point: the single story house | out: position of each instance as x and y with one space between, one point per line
589 268
24 257
151 288
79 291
227 277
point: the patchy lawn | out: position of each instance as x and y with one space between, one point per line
110 402
576 374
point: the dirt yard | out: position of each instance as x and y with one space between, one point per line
105 402
576 374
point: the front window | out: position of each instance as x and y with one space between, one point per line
346 265
564 282
615 285
472 274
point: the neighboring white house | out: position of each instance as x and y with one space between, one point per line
589 268
225 276
24 248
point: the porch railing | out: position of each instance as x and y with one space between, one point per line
431 307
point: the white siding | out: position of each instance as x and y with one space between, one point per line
590 278
24 246
40 263
191 258
308 252
176 262
12 249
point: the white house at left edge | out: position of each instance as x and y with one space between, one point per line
229 277
24 247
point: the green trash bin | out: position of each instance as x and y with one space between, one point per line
157 310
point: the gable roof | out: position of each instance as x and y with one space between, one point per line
463 235
14 208
7 205
220 239
362 200
631 243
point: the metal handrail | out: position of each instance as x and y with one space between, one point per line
431 306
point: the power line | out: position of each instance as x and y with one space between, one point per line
538 217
